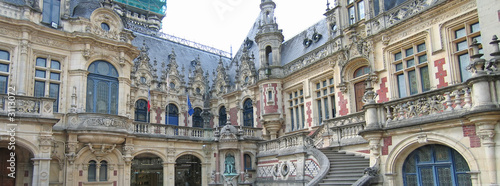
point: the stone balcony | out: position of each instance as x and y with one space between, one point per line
173 131
340 131
285 145
24 106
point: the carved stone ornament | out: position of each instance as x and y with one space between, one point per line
422 139
101 150
228 133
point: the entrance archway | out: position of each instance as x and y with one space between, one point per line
23 167
147 170
188 171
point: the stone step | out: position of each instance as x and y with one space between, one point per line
345 169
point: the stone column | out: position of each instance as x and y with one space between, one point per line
23 63
35 172
121 174
126 171
486 131
169 179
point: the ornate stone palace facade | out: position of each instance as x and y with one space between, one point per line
380 92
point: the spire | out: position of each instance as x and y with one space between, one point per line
268 21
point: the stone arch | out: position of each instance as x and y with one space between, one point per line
194 153
110 16
28 145
151 151
401 150
85 155
105 58
348 69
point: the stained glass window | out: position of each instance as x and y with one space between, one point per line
248 162
435 165
102 88
172 115
141 111
411 71
197 119
248 113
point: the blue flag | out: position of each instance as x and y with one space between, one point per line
190 107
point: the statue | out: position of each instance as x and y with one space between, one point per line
229 164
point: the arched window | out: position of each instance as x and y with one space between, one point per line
172 114
248 161
359 87
269 56
103 171
92 171
433 164
248 113
197 120
222 116
102 88
361 71
141 111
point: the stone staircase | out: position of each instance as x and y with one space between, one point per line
344 169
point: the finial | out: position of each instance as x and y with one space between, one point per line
327 5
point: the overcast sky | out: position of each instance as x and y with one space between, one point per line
225 23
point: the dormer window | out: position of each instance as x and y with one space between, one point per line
51 12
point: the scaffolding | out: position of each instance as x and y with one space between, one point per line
156 6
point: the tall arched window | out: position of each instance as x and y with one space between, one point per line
359 87
102 88
248 161
103 171
222 116
197 119
92 171
141 111
172 114
435 165
248 113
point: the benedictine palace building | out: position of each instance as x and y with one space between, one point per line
379 92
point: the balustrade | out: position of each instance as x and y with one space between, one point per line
26 106
172 130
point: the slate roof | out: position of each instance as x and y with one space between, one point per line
160 48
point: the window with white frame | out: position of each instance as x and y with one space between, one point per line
463 37
296 110
411 69
325 99
355 10
4 70
48 77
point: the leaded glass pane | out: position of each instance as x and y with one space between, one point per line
114 99
302 100
301 92
39 89
296 94
427 177
3 84
320 115
460 33
409 166
92 171
325 101
474 27
410 63
297 117
421 47
55 65
40 73
444 176
102 100
352 18
324 83
462 45
103 171
291 96
399 66
409 52
248 113
463 61
103 68
460 163
292 119
424 154
442 153
331 81
318 86
90 95
424 77
397 56
222 116
332 89
411 180
464 180
318 94
41 62
325 92
55 76
412 78
4 55
361 10
4 67
402 86
291 103
302 114
141 110
54 93
422 59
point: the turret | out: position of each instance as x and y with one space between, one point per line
269 39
